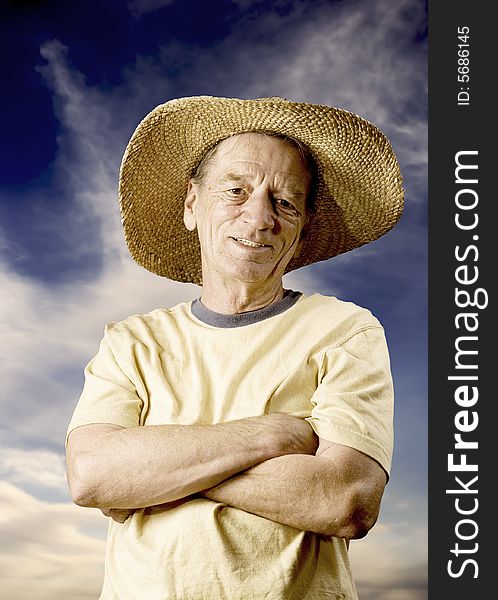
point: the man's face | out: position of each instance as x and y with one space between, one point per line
249 209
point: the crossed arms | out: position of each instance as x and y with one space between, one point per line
273 466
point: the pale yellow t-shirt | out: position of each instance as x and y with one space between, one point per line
321 359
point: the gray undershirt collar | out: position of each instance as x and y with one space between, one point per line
216 319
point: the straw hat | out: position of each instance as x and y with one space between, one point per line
359 194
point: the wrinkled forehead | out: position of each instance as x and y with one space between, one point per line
267 150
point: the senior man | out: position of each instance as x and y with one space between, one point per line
241 440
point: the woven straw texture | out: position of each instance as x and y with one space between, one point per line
359 192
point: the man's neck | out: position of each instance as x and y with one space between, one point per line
239 297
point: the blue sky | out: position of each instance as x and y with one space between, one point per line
79 79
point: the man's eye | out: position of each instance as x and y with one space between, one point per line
283 203
236 191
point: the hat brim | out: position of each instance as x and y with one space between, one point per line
359 194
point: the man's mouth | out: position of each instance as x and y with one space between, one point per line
250 243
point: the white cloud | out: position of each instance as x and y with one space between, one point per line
45 554
33 466
391 563
49 333
356 55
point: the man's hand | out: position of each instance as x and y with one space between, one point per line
121 514
291 434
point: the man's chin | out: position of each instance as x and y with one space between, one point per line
258 273
250 271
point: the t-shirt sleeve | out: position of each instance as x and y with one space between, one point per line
109 395
353 403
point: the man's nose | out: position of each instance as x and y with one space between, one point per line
259 210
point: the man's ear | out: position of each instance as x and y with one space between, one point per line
189 206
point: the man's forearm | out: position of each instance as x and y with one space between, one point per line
305 492
144 466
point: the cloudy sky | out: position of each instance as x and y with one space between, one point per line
79 77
